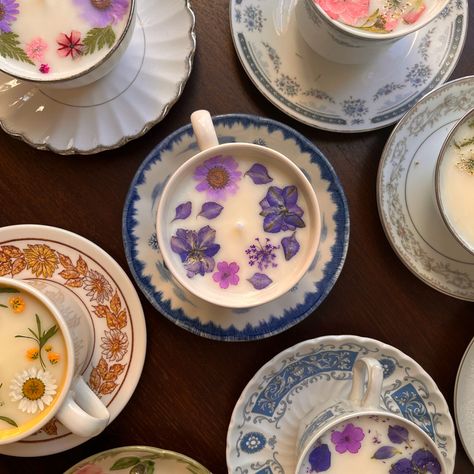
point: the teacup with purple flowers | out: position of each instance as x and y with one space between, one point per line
357 435
238 224
66 43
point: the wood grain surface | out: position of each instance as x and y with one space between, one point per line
189 384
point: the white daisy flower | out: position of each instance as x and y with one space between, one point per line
34 389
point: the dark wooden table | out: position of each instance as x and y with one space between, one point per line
189 384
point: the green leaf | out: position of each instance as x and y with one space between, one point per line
123 463
97 38
38 323
48 335
27 337
3 306
10 48
8 420
8 290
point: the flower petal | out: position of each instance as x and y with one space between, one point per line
205 237
397 434
260 281
290 195
320 458
210 210
183 211
180 247
272 223
294 220
259 174
386 452
290 246
275 196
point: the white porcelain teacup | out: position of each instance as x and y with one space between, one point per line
64 44
340 42
46 341
454 181
238 224
358 435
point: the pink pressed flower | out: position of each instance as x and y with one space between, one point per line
390 23
226 274
35 49
70 45
44 68
349 439
89 469
413 15
347 11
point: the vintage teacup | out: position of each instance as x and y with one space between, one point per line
358 435
358 31
238 224
64 44
45 342
454 181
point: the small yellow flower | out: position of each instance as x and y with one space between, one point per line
32 354
48 347
17 304
53 357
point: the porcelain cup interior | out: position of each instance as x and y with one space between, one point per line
208 143
438 195
363 400
344 44
87 76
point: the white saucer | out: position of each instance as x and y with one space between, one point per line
342 98
262 433
83 259
464 401
405 191
193 313
149 459
123 105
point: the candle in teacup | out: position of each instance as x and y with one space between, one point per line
57 39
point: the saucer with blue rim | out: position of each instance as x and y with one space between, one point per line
194 314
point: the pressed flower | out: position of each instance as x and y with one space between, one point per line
196 249
280 209
32 354
8 12
42 260
97 286
114 344
17 304
44 68
349 439
347 11
33 389
262 255
53 357
70 45
100 13
218 176
226 274
36 48
90 469
320 458
48 347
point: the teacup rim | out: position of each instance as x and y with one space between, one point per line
368 35
311 197
368 412
47 81
437 178
69 375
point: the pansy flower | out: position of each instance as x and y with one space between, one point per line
101 13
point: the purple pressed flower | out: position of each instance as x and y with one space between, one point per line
259 174
398 434
404 466
196 249
426 462
218 176
260 281
226 274
349 439
262 255
280 210
101 13
8 12
320 458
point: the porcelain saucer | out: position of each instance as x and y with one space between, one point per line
141 458
123 105
464 401
262 433
405 191
194 314
102 287
336 97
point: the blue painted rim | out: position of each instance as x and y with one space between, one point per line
274 324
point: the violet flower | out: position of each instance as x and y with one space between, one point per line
196 249
349 439
226 274
8 12
101 13
280 210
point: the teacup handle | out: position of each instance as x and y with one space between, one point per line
82 412
204 130
370 398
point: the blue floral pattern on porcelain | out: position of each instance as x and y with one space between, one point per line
188 311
